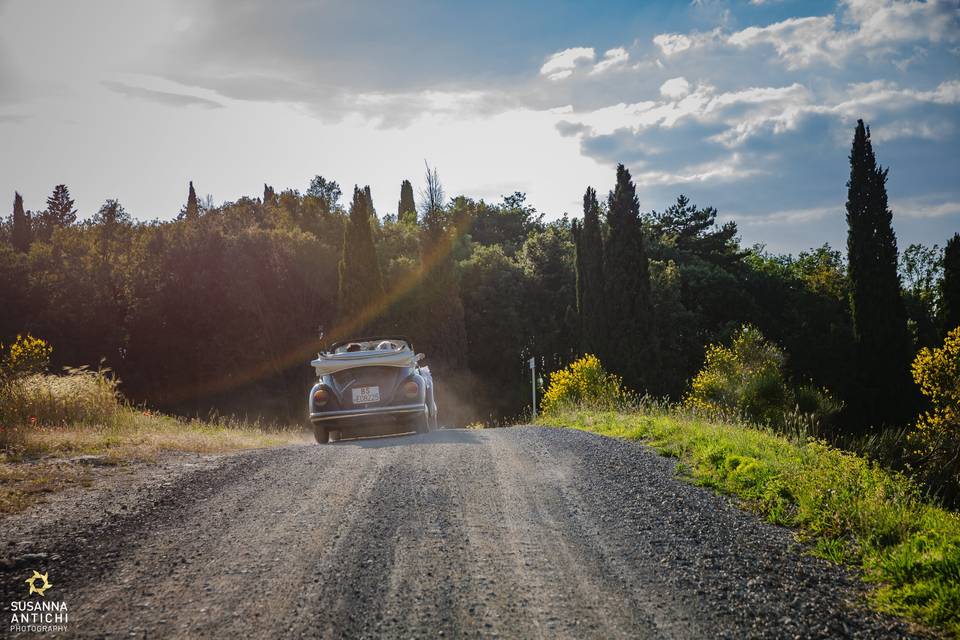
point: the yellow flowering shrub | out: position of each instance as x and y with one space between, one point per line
583 382
937 434
27 355
748 379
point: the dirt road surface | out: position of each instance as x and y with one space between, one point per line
524 532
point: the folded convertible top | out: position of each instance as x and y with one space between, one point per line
333 362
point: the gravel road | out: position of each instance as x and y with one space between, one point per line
524 532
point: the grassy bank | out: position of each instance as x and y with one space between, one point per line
56 430
847 508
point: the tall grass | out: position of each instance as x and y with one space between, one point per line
80 398
848 508
82 412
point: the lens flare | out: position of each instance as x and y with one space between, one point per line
345 327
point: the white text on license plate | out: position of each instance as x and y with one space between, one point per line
363 395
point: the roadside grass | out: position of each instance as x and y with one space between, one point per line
848 509
53 427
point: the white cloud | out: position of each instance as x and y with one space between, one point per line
724 170
671 44
790 216
799 41
923 208
611 58
561 64
876 26
675 88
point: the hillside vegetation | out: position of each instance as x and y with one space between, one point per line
848 509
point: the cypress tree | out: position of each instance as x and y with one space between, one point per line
590 283
950 286
360 284
882 390
576 231
192 210
406 208
629 340
20 234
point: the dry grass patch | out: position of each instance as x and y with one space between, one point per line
22 485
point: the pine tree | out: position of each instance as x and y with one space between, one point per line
360 284
20 234
882 390
59 213
192 209
590 284
630 342
950 286
60 207
406 208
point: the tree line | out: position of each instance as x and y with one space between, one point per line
221 307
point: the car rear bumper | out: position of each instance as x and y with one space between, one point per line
368 412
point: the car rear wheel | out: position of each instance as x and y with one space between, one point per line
422 422
321 434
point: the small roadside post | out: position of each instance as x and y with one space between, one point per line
533 383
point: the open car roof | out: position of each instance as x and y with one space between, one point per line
372 340
336 358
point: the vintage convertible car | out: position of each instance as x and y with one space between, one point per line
371 386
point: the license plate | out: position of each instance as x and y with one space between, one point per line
362 395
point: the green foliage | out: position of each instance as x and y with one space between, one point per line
849 510
507 225
920 271
21 234
882 395
590 280
59 214
191 211
360 283
496 329
950 285
630 347
937 434
583 383
689 230
406 207
748 379
547 260
327 192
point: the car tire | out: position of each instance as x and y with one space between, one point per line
321 434
421 423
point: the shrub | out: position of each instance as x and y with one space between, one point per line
583 382
747 379
24 357
937 433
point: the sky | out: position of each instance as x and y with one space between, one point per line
748 105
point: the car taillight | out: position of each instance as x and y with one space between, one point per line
411 389
320 397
